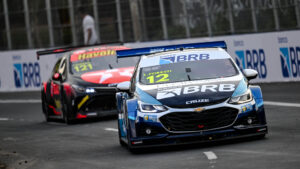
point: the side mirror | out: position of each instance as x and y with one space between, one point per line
250 73
124 85
56 76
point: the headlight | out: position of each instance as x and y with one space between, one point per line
149 108
90 90
246 97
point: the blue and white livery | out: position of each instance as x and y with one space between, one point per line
187 94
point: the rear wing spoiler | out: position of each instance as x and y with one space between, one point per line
157 49
69 48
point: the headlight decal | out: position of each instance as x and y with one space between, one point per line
241 88
145 97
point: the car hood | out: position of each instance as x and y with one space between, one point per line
110 76
194 93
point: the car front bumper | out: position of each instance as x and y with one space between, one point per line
199 137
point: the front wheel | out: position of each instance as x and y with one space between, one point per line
122 143
66 112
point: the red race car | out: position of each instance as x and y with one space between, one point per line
83 82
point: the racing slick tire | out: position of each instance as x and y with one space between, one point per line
45 108
122 143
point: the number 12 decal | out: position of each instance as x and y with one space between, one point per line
158 78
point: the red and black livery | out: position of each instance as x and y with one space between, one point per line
83 82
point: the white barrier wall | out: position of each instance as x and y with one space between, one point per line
276 56
21 71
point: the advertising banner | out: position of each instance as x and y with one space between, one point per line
21 71
275 56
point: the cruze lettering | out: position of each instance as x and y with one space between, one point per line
197 101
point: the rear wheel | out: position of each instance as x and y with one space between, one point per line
45 108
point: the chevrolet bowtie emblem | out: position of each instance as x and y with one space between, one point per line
199 109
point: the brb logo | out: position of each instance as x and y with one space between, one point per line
252 59
183 58
27 74
290 61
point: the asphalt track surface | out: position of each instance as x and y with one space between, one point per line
27 141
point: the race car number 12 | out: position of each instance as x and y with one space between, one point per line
158 78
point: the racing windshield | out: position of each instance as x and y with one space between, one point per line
86 61
187 71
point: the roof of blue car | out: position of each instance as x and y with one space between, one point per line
187 55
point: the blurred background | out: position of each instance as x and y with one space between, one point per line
31 24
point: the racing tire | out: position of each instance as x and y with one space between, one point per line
122 143
45 108
129 145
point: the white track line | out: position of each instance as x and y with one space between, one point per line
21 101
210 155
281 104
4 119
111 129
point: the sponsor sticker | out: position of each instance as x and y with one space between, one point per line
95 52
174 58
150 118
177 91
247 108
195 101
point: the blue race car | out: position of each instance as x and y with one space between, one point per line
187 93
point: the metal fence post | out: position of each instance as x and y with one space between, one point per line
297 12
207 18
27 23
144 33
50 24
163 19
95 11
254 21
7 25
231 22
186 21
134 9
119 20
275 12
73 26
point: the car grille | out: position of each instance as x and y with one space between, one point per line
101 103
197 121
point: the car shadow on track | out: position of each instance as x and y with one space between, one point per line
186 147
85 121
